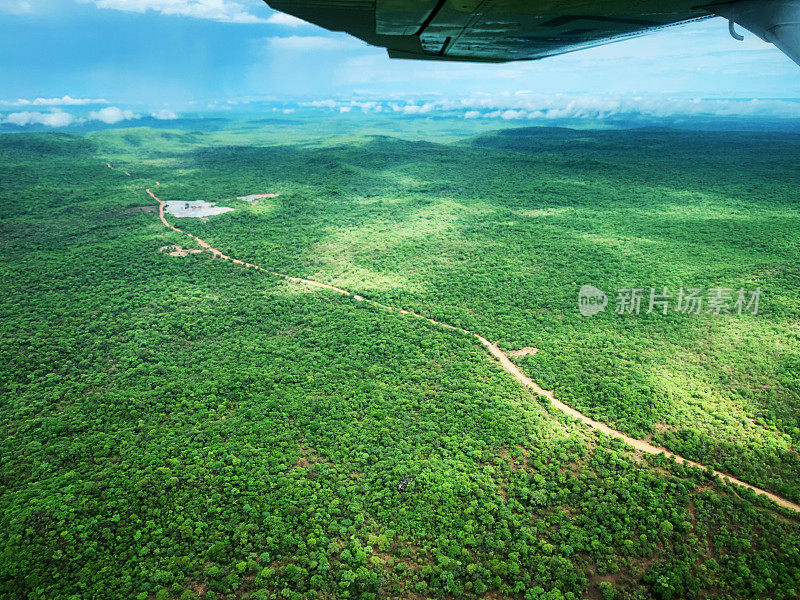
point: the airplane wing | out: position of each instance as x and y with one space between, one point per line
512 30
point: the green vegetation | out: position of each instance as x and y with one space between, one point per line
178 427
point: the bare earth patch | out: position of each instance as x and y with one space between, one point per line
175 250
523 351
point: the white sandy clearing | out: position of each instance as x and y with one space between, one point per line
194 208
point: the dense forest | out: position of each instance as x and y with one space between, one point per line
497 234
180 427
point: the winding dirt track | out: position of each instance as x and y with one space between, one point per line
492 349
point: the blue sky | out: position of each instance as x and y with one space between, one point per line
176 56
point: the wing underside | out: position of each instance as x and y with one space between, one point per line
489 30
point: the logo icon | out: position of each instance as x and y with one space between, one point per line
591 300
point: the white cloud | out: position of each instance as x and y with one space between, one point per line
416 109
286 20
164 115
68 101
112 114
226 11
507 115
60 118
303 43
56 118
596 107
321 104
15 7
63 101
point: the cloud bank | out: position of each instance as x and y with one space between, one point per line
531 106
57 117
521 106
66 100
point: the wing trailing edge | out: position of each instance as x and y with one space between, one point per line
513 30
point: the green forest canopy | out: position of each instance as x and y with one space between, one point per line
180 427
